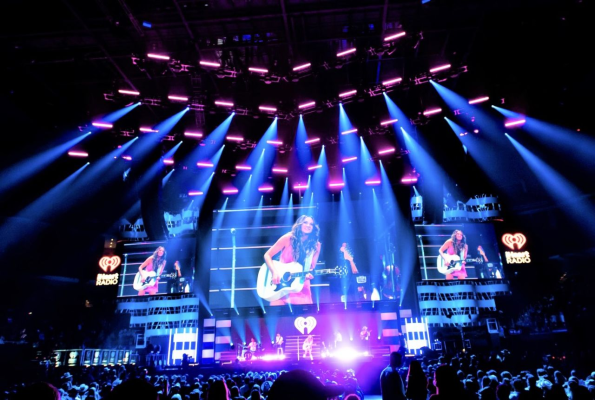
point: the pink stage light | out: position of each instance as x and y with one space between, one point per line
266 189
387 150
479 100
373 182
235 138
307 105
300 186
230 191
145 129
224 103
127 158
409 180
346 52
349 93
440 68
463 134
391 82
102 125
131 92
389 122
244 167
210 64
78 154
349 159
349 131
168 161
275 142
301 67
515 123
395 36
432 111
313 140
178 98
193 134
157 56
204 164
195 193
267 108
280 170
259 70
313 167
336 184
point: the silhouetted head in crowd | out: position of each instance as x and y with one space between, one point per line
134 389
396 359
302 385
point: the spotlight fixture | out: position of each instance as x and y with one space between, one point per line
347 94
209 64
307 105
432 111
158 56
224 103
440 68
81 154
258 70
102 125
346 52
280 170
335 185
275 142
392 82
177 98
302 67
389 122
230 191
130 92
395 36
513 123
479 100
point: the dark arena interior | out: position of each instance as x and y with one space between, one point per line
278 199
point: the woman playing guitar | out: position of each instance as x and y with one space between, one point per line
156 263
456 245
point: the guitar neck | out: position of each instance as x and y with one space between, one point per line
315 272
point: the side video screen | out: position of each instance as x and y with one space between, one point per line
476 244
167 267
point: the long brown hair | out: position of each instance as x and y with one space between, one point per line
458 246
301 249
159 261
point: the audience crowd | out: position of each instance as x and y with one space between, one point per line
496 376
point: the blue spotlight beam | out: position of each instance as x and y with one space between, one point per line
25 169
564 192
39 210
116 115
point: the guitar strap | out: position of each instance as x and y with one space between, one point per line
306 266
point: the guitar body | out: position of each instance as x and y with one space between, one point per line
453 263
307 346
268 291
144 280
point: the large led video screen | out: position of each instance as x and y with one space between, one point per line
324 253
462 251
154 268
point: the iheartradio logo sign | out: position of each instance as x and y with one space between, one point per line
109 264
517 240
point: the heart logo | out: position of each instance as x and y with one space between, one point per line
109 264
518 240
305 324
